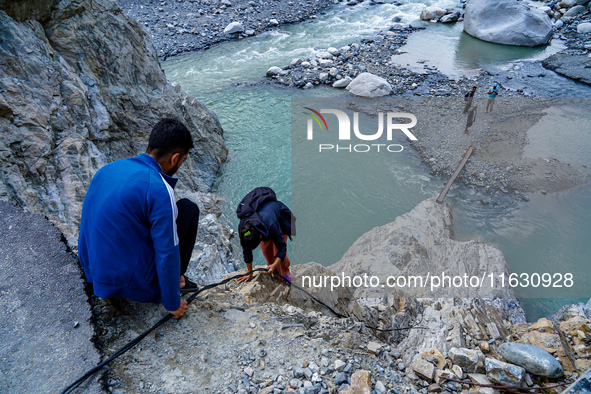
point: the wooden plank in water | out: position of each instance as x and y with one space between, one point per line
455 174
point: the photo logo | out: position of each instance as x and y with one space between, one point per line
316 119
392 120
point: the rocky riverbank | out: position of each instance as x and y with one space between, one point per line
265 337
499 163
178 26
337 67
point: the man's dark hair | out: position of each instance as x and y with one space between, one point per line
169 136
250 237
473 87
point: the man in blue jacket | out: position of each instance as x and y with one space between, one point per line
131 244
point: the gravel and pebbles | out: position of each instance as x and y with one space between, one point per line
179 26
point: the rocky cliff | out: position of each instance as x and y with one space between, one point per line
420 243
81 86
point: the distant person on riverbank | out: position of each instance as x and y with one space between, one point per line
471 118
135 240
468 98
493 92
268 222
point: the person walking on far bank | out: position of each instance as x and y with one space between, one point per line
471 118
268 222
468 98
493 92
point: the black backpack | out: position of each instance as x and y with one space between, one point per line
247 209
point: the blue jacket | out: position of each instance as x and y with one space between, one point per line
128 243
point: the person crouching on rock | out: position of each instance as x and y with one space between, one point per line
267 222
135 240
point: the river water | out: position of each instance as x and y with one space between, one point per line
546 232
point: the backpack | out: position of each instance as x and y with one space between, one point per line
247 209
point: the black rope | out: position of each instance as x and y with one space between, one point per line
135 341
340 315
194 294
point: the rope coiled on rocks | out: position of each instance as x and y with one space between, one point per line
166 318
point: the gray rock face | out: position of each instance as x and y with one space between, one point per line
417 243
470 360
369 85
534 359
507 22
81 86
577 67
234 27
44 314
504 374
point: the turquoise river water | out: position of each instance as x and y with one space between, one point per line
547 232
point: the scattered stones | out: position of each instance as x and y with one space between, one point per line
339 365
435 354
374 348
504 374
341 378
422 368
361 380
470 360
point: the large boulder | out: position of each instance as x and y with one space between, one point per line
418 243
507 22
369 85
533 358
81 86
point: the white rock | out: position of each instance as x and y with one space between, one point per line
369 85
273 22
249 371
507 22
341 83
324 55
234 27
273 71
295 62
333 51
431 13
584 27
380 388
339 365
